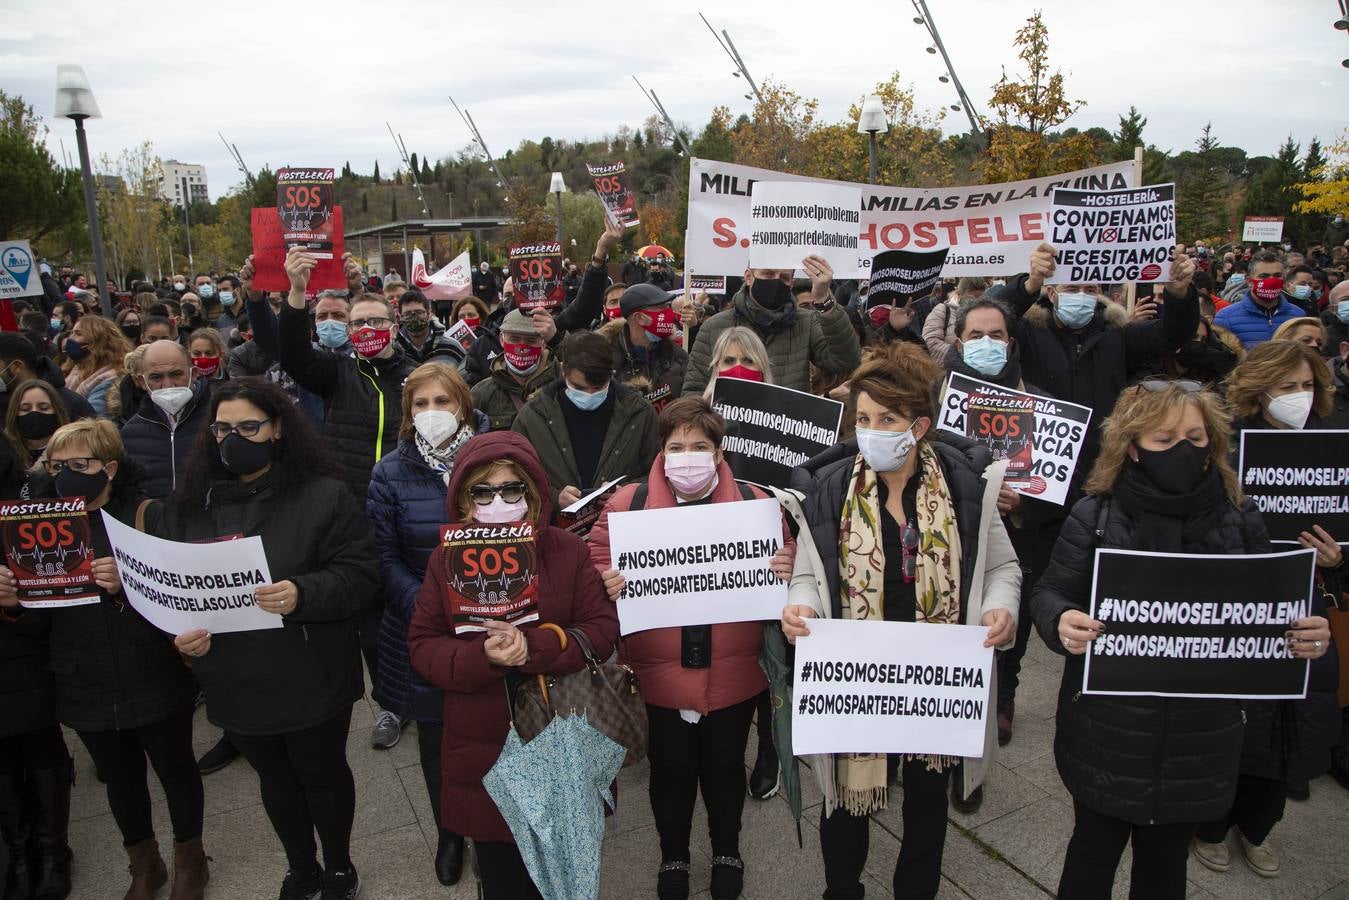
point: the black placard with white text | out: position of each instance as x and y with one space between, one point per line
771 430
1298 479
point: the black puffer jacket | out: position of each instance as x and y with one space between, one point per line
315 535
364 398
1145 760
657 373
163 447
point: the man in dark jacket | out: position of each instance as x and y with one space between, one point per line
19 362
587 428
523 367
161 434
646 357
419 337
485 285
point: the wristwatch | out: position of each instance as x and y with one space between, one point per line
824 305
599 262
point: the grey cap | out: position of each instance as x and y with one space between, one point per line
517 322
642 296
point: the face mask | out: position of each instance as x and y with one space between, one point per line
36 425
742 372
483 268
1292 409
885 451
132 332
206 365
81 484
1302 292
985 355
206 291
332 333
770 293
415 326
499 511
586 401
1076 309
472 321
240 456
171 399
1237 278
371 342
436 425
75 350
690 473
879 316
55 323
227 298
180 286
1267 289
1176 470
1342 311
663 323
522 358
613 312
1192 354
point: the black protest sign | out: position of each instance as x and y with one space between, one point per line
611 183
898 276
996 418
1298 479
1192 625
49 551
492 573
536 275
304 204
771 430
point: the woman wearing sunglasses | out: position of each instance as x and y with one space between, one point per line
498 478
1148 770
899 512
283 696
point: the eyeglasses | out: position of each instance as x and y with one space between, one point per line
510 492
247 428
74 464
414 317
1161 385
374 322
908 542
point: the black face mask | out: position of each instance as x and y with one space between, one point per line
132 332
36 425
81 484
1193 354
770 293
1176 470
240 456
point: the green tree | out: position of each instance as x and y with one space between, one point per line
1274 192
393 210
1128 136
1201 192
376 171
40 197
426 175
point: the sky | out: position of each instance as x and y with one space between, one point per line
313 84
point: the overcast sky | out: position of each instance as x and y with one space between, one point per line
312 84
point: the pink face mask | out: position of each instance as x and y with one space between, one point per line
690 473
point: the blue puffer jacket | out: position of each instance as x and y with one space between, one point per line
1254 324
406 505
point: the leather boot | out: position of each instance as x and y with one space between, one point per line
14 830
190 871
148 872
449 858
51 817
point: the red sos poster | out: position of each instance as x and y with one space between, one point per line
304 204
611 183
1006 425
492 573
50 551
269 255
536 273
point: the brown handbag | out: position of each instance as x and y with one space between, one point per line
606 691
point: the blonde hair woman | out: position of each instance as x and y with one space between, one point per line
738 353
1306 330
1280 384
94 352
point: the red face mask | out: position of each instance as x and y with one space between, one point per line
741 372
206 365
471 321
371 341
1267 289
522 357
664 322
613 312
879 316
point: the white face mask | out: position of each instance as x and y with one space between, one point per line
886 451
1292 409
171 399
499 511
436 426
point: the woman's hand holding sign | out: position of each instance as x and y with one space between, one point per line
613 583
794 617
105 574
193 643
783 561
1309 637
9 588
505 644
1001 627
1328 554
279 598
1077 629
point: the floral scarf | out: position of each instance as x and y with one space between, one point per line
441 459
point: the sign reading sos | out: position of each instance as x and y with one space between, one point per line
490 561
304 195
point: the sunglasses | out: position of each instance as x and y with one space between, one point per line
510 492
1161 385
908 541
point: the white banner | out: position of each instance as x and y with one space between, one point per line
1262 229
991 229
183 587
1113 236
697 565
453 282
790 220
891 687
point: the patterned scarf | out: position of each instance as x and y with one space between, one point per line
441 459
769 321
861 562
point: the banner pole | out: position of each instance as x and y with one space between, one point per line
1131 289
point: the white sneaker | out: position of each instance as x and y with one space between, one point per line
1261 858
1212 856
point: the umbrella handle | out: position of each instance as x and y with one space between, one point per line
556 629
543 682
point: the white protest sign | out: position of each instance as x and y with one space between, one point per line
790 220
1007 419
581 504
1262 229
991 229
891 687
1112 236
183 587
697 565
453 282
18 271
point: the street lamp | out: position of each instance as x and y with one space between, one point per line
75 100
871 123
556 187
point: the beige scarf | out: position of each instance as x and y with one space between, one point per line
861 562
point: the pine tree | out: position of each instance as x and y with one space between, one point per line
346 169
413 164
1129 135
425 175
1313 161
365 202
1201 193
376 171
435 173
1273 192
393 211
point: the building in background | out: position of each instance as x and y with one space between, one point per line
180 182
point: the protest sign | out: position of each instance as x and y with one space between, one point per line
18 273
899 276
891 687
536 274
1058 430
462 332
49 551
991 229
611 183
1298 479
1262 229
492 573
697 565
304 204
452 282
1112 236
771 430
182 587
708 284
790 220
269 255
1198 625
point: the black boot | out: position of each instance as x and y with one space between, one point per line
14 829
51 817
449 858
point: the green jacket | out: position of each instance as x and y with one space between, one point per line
500 397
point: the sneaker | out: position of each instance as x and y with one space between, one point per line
1214 857
764 778
343 884
219 756
1262 860
302 885
387 731
1006 712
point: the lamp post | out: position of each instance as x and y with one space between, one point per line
871 123
557 186
187 221
75 100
